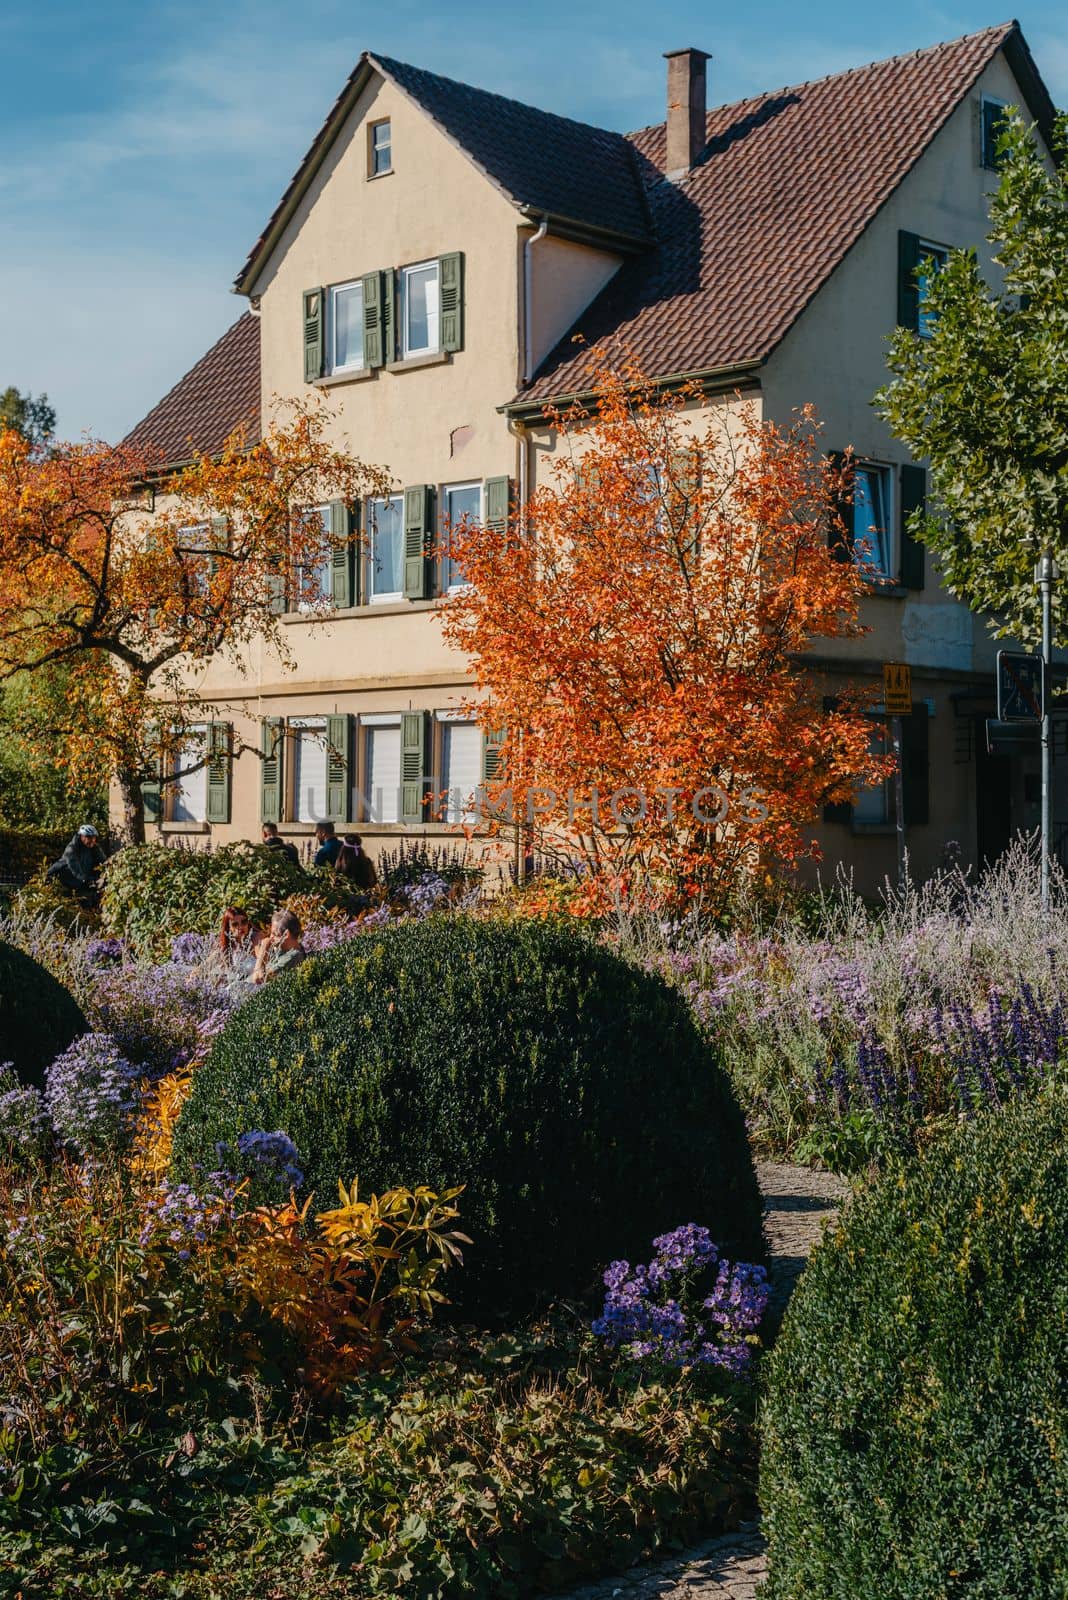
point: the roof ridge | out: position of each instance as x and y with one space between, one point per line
1004 29
494 94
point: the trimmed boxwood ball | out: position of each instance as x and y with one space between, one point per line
570 1092
39 1018
915 1437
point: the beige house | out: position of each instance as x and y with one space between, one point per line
430 265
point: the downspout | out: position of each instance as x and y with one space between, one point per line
528 296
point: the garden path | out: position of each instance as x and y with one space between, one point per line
797 1201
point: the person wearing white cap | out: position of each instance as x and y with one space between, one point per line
78 868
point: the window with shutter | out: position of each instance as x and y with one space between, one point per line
372 319
313 335
220 763
913 498
414 726
380 801
418 500
338 767
991 114
908 294
272 746
451 289
461 506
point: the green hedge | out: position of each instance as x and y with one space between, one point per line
153 891
570 1092
915 1438
38 1017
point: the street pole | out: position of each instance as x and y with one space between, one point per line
899 802
1046 573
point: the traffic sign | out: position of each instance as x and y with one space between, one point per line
897 689
1019 687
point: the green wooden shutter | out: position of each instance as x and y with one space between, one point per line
338 767
389 334
342 562
840 535
314 343
909 256
417 525
372 319
492 740
915 764
451 300
218 540
272 744
152 791
220 762
496 503
414 738
913 497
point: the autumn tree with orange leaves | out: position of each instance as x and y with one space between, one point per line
640 630
132 578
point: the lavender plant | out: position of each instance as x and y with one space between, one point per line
23 1119
689 1307
90 1093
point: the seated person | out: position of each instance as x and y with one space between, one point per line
79 867
329 845
353 864
282 950
273 842
240 939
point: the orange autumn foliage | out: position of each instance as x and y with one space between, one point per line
642 625
127 575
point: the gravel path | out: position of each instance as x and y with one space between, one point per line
796 1204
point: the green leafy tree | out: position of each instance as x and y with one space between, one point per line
30 415
985 395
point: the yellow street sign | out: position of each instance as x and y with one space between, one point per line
897 689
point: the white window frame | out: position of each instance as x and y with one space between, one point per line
294 727
444 719
194 744
940 253
407 349
872 571
373 149
333 366
448 583
324 567
391 596
368 722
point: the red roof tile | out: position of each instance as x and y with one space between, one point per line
787 183
219 394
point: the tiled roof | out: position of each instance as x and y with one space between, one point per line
787 183
219 394
544 163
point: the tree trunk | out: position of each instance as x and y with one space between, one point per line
133 808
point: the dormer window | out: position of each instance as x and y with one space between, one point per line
379 149
344 327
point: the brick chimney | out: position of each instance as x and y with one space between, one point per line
685 109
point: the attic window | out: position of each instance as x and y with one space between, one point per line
992 113
379 149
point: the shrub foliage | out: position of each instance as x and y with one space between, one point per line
40 1017
916 1428
571 1093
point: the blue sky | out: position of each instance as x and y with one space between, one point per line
144 145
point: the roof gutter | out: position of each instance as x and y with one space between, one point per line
713 380
626 244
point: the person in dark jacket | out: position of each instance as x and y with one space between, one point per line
353 864
273 842
329 845
79 867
